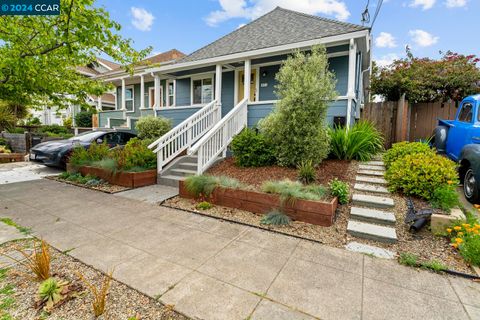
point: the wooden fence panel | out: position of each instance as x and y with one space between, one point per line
424 118
383 115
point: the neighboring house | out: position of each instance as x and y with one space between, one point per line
49 115
208 87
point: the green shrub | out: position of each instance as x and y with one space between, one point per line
289 191
340 190
50 292
138 155
470 250
228 182
360 142
67 122
96 152
297 127
275 218
201 186
445 198
408 259
251 149
152 128
306 172
434 265
53 129
401 149
420 174
83 119
204 205
15 130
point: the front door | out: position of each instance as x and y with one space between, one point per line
253 85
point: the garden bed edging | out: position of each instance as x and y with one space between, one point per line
121 178
314 212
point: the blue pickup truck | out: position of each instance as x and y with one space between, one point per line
459 139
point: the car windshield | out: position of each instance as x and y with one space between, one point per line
87 136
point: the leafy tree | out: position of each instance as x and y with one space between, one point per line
297 127
83 119
39 54
453 77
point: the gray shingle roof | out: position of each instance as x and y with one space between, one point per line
278 27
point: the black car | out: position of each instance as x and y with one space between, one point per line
56 153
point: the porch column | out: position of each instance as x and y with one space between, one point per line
352 59
142 92
218 90
246 79
157 93
124 105
99 103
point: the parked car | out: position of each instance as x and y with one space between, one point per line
56 153
459 139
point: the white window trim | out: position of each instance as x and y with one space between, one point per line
151 94
208 76
133 98
257 85
167 95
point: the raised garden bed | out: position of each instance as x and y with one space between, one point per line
122 178
11 157
314 212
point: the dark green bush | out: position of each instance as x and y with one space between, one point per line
360 142
137 155
401 149
306 172
96 152
340 190
53 128
83 119
421 174
445 198
152 128
251 149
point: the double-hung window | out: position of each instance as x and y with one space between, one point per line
170 93
129 98
202 90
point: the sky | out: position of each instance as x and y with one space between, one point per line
426 26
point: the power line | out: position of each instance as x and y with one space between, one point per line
366 14
379 6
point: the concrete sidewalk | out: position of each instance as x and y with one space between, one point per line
210 269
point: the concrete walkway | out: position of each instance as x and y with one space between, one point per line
24 171
210 269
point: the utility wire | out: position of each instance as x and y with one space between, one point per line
379 6
366 14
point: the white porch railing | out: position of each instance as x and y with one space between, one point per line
215 142
180 138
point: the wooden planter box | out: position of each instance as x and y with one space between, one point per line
314 212
11 157
124 179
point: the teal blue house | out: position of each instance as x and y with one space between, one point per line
205 93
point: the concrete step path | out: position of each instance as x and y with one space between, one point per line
372 215
372 201
376 173
365 187
370 250
370 167
375 180
372 231
374 163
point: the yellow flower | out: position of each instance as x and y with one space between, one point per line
455 245
449 230
457 228
450 182
458 240
476 206
460 234
476 231
466 225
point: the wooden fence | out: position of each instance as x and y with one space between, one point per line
401 121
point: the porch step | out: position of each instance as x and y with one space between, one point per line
370 167
372 215
188 166
372 201
190 159
372 231
169 180
377 173
370 188
183 172
374 180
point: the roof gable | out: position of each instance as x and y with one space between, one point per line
278 27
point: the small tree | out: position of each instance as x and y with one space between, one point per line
151 127
452 77
297 127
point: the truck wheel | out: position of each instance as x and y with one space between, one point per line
470 186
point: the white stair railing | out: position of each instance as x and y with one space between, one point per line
216 141
180 138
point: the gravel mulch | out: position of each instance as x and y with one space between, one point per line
104 187
122 302
326 171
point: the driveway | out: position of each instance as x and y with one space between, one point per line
209 269
24 171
